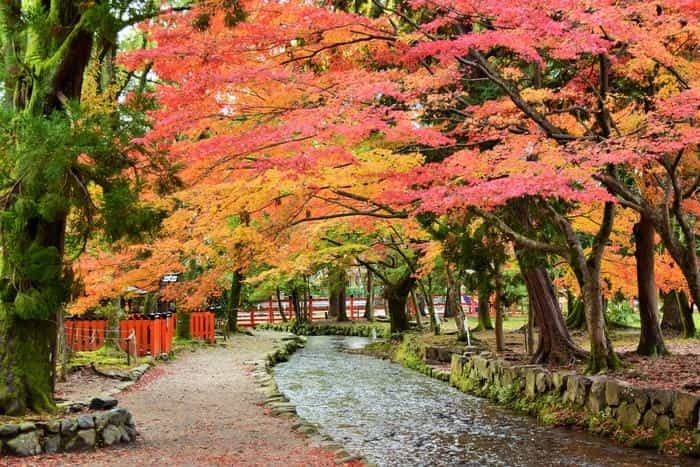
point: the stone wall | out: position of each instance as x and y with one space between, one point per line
75 433
631 407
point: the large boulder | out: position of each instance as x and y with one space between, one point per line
685 410
25 444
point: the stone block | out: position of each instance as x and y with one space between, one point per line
577 388
628 415
85 422
559 380
663 423
9 429
25 444
111 435
661 400
52 443
614 390
596 396
82 440
543 382
649 419
69 426
685 410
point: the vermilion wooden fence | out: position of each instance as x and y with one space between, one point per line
269 311
202 326
85 335
140 335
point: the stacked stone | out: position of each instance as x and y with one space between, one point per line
82 432
631 406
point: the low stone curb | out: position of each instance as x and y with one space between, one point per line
281 406
79 433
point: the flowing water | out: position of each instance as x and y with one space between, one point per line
395 416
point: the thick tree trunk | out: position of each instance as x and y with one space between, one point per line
26 365
396 296
686 316
369 302
555 344
337 283
651 341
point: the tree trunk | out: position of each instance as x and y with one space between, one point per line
369 302
434 326
26 368
602 356
651 341
484 311
396 296
296 306
233 302
555 344
530 336
498 304
280 306
575 316
337 283
454 301
414 300
686 315
677 314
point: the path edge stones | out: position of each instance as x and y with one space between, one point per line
280 406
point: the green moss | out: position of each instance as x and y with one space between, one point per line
105 357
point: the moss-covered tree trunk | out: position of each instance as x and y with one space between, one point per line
498 305
575 317
651 341
33 282
396 296
484 311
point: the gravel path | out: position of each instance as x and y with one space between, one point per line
203 408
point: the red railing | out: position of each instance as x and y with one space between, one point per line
85 335
269 311
202 326
140 335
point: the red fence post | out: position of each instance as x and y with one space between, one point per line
352 307
270 315
252 317
311 308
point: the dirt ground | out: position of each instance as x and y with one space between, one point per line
203 408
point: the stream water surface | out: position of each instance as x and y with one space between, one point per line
397 417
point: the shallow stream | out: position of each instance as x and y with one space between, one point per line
397 417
